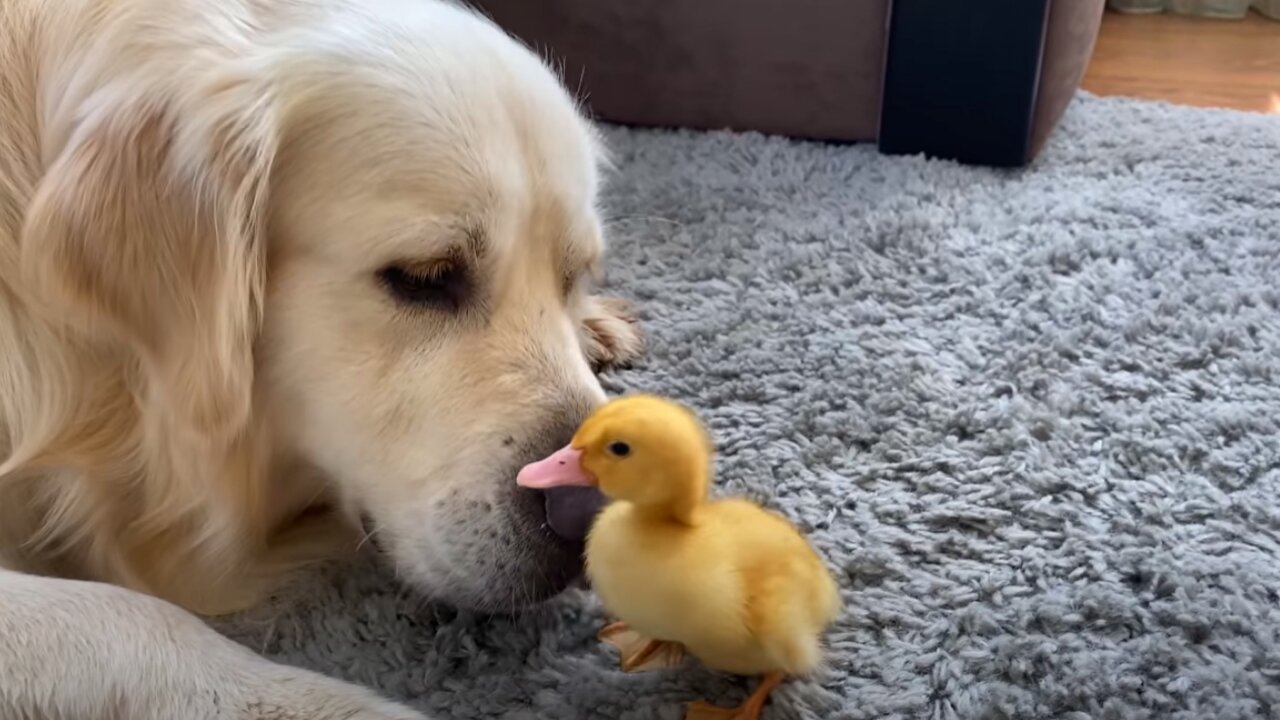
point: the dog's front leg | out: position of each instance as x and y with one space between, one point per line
86 651
612 336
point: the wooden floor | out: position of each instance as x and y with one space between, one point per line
1192 61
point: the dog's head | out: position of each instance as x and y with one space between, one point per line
379 234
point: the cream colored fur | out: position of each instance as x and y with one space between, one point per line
206 381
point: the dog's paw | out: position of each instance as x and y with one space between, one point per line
613 336
291 694
146 659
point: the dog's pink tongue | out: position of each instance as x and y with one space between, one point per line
564 467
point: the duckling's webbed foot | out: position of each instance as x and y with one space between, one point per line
639 653
749 710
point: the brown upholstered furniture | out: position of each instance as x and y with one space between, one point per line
803 68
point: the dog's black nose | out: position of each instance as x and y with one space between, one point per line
571 510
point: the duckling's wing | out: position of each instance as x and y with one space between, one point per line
790 596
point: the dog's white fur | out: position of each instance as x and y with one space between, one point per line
210 366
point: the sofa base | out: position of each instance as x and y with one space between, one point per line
809 69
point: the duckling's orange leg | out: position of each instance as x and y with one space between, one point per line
640 653
749 710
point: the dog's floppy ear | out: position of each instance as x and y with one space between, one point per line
148 230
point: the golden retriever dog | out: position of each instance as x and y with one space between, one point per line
271 271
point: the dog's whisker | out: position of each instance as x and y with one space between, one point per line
610 222
368 535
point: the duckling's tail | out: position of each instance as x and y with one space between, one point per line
793 650
792 633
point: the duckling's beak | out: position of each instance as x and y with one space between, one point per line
562 468
572 498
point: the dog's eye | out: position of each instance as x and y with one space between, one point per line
442 285
620 448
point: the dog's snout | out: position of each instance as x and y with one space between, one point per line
517 546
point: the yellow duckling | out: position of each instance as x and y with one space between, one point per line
735 585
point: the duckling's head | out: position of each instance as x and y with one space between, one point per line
642 449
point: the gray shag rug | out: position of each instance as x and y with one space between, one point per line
1031 418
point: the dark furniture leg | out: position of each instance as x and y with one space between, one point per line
961 79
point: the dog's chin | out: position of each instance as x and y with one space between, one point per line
502 588
501 597
496 557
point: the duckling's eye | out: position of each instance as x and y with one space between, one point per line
620 449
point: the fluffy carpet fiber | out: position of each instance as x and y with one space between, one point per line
1032 419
